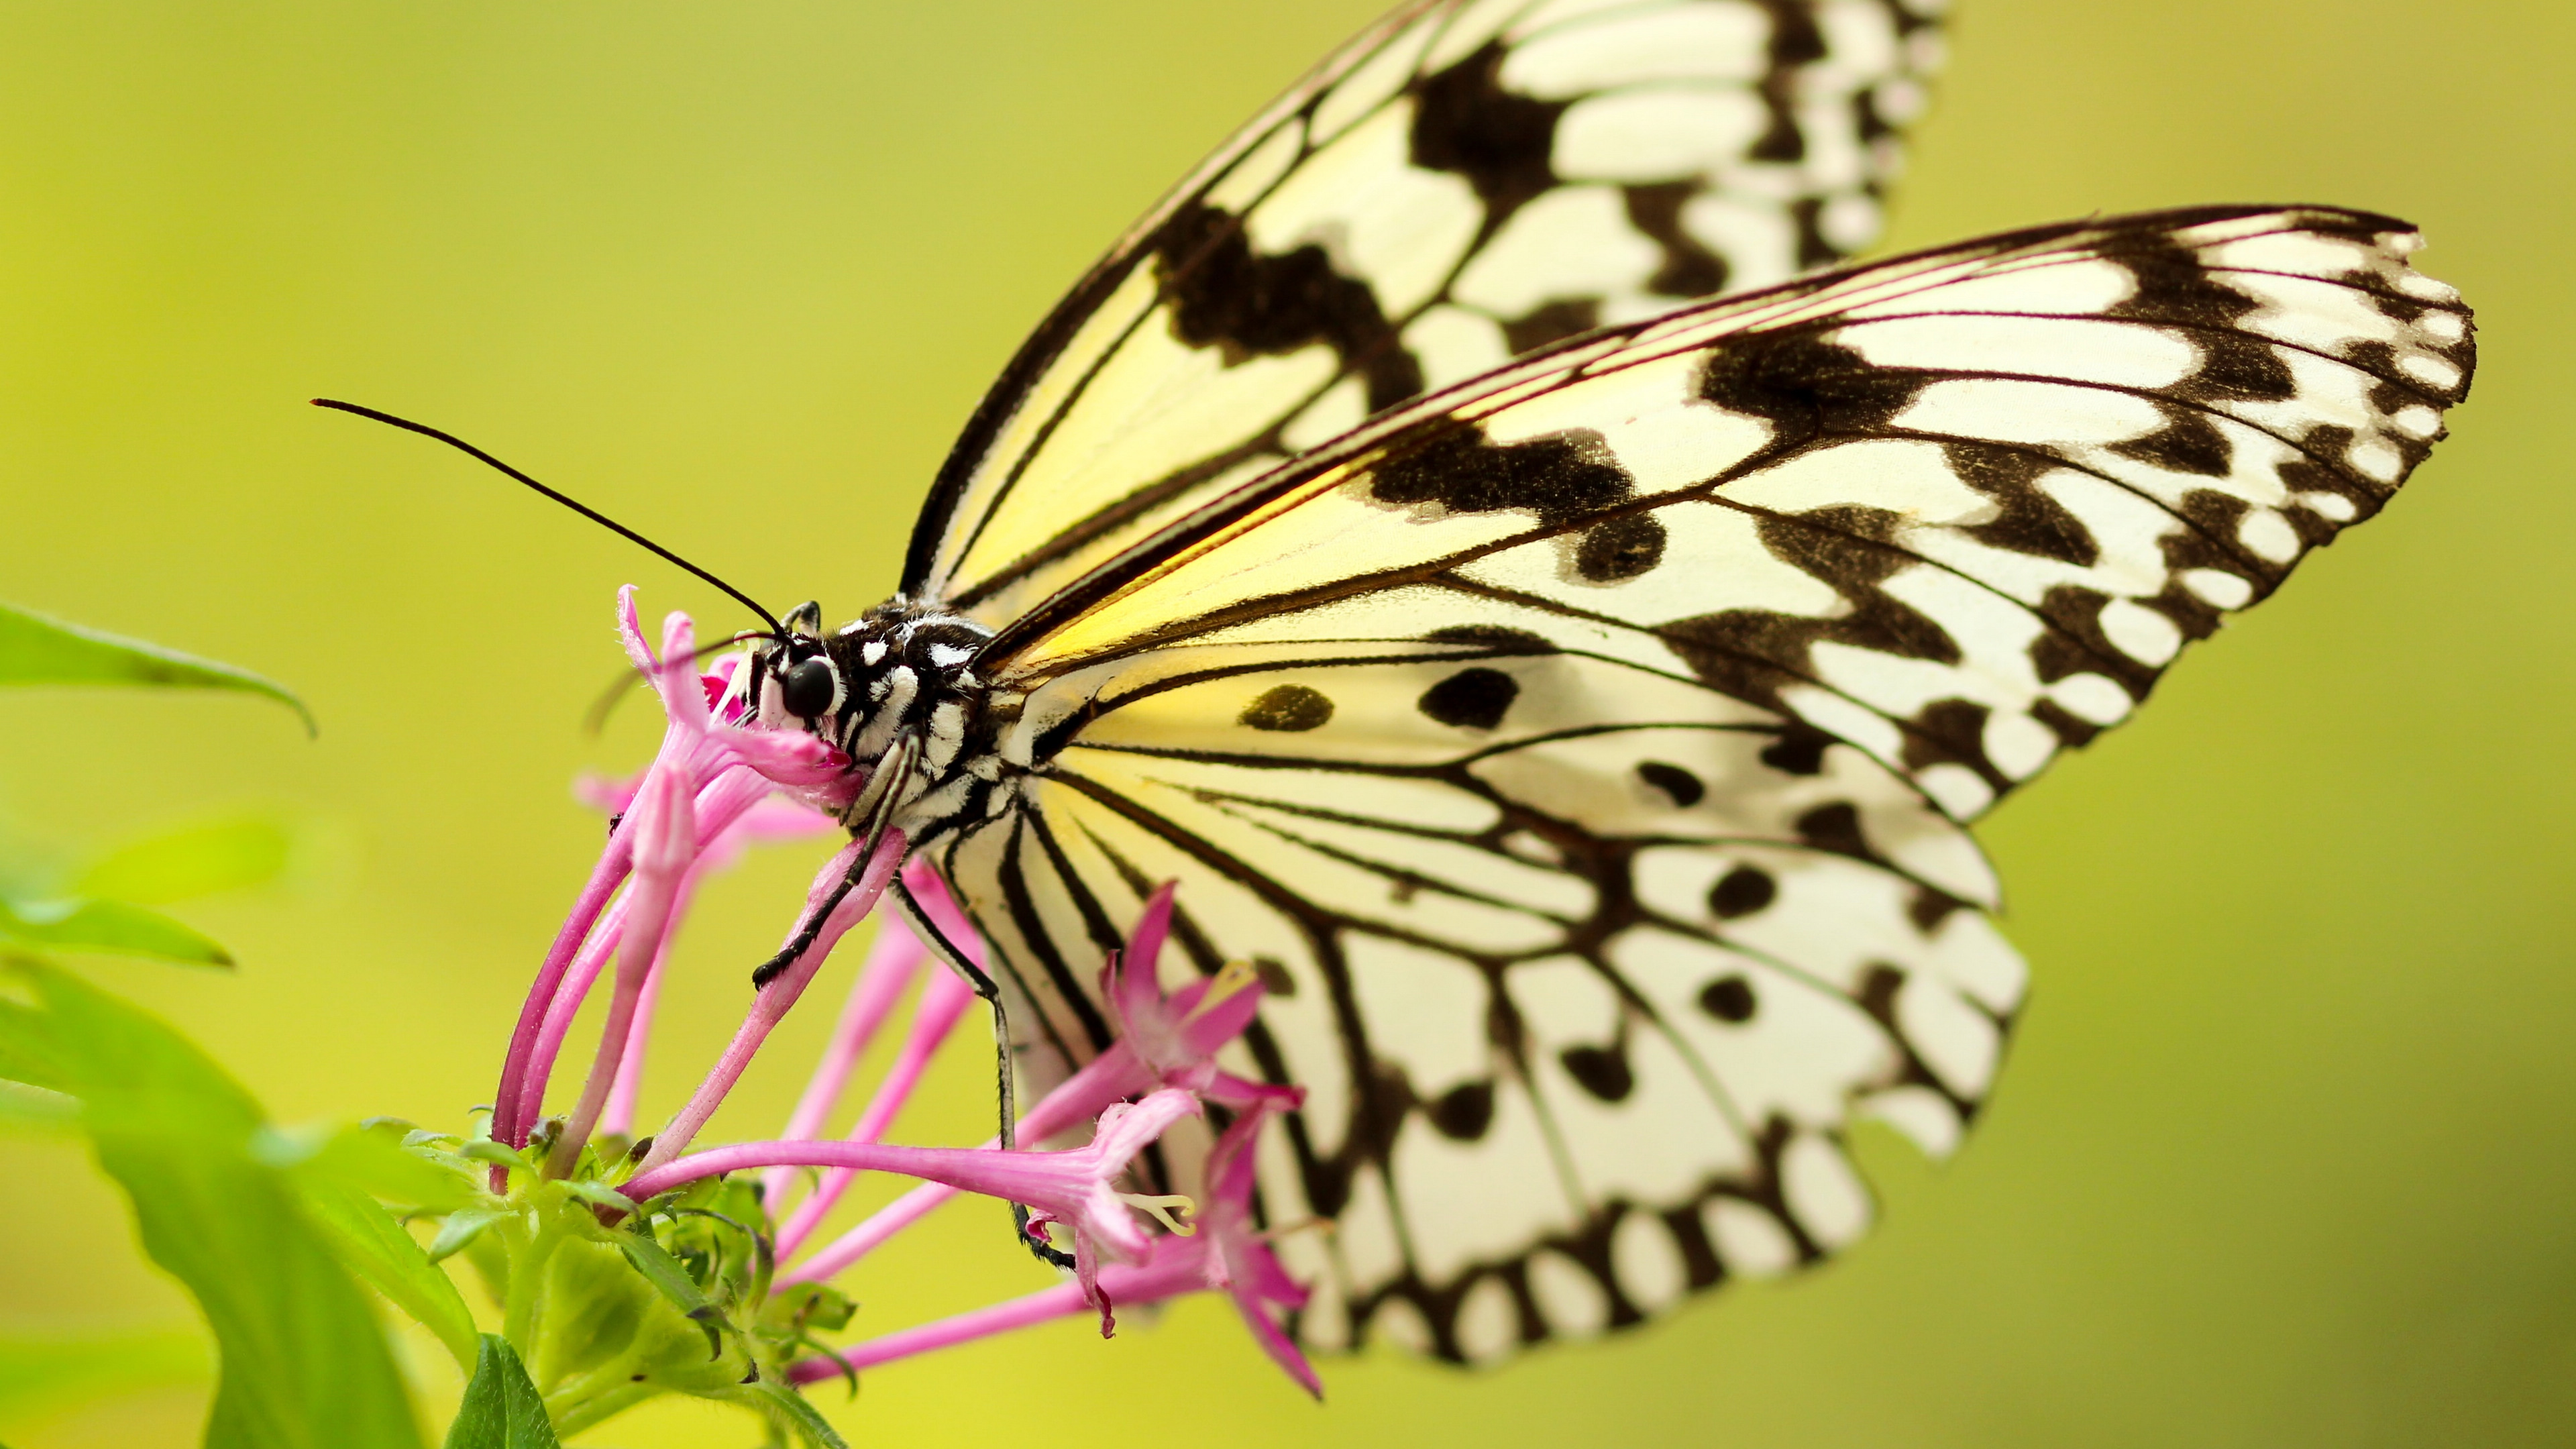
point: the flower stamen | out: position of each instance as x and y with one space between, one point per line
1173 1210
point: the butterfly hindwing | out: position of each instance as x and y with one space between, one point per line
1583 753
1543 938
1463 182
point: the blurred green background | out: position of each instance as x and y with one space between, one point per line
2287 1151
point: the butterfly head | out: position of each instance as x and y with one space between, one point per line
898 668
798 675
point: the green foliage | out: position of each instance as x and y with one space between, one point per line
274 1230
110 926
501 1409
369 1243
460 1230
38 650
26 1106
303 1360
267 1228
610 1336
609 1306
676 1286
784 1406
192 861
43 1376
105 907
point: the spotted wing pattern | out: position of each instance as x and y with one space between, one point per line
1464 182
1584 753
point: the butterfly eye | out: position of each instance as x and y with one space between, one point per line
808 688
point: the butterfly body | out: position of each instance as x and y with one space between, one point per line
1563 646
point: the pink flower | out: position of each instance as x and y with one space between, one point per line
1071 1189
721 780
1237 1261
773 818
944 1000
1225 1254
1163 1042
707 777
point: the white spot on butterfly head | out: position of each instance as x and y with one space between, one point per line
947 736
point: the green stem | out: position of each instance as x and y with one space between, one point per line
615 1375
528 1259
616 1401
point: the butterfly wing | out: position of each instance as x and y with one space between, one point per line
1584 752
1584 972
1463 182
1959 508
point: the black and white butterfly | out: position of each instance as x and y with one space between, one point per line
1561 637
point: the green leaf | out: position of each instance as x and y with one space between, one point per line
38 650
197 860
502 1410
802 1306
304 1362
804 1418
663 1271
461 1229
25 1106
484 1149
373 1160
368 1242
598 1194
110 926
674 1283
41 1377
29 1054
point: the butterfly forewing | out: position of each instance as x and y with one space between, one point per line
1464 182
1583 752
1958 509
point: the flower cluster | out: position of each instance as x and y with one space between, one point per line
592 1227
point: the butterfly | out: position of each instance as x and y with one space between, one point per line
1559 624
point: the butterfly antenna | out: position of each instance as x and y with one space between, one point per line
585 510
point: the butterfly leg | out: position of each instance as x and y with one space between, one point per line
875 805
984 987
